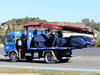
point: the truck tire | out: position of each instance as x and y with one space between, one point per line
49 58
13 57
64 60
28 59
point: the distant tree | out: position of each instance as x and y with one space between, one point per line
1 29
44 20
92 24
13 19
13 28
37 18
98 26
86 22
9 29
21 21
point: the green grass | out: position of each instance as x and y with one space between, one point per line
98 36
1 31
98 41
43 72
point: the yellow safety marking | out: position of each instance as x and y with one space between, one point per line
53 48
47 33
7 47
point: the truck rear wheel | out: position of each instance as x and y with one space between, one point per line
13 57
49 58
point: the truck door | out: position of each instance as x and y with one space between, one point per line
9 43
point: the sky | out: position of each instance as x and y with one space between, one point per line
50 10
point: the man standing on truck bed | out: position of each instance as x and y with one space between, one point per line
49 31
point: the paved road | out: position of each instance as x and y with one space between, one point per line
86 52
74 63
1 50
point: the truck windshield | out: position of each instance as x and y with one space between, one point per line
9 39
18 37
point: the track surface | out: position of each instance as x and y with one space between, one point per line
87 52
74 63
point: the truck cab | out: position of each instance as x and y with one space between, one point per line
11 39
10 42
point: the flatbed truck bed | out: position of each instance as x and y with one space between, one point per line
53 48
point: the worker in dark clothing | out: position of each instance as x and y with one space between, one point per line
57 35
49 31
17 47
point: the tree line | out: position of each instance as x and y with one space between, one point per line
22 21
91 23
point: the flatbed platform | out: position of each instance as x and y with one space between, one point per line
52 48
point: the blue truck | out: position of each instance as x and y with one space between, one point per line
18 45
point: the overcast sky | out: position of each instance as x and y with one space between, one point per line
50 10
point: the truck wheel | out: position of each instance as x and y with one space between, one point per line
49 58
13 57
64 60
28 59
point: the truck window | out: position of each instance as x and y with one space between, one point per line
13 39
9 39
18 37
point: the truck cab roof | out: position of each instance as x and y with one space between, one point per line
14 33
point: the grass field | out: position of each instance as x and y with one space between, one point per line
98 41
98 37
22 71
